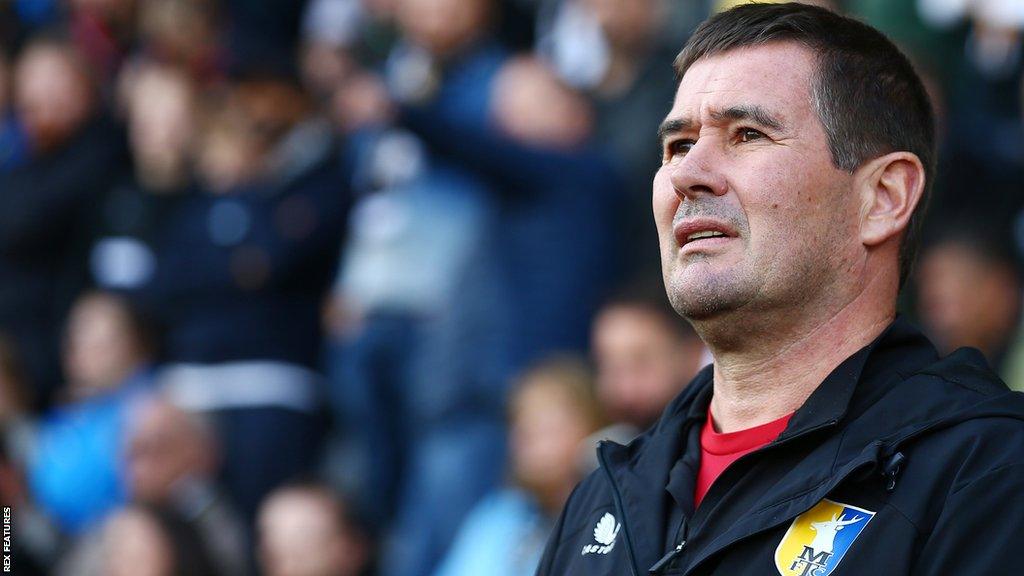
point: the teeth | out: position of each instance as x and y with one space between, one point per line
704 234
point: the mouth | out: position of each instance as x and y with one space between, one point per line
698 233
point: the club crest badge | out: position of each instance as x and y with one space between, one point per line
817 539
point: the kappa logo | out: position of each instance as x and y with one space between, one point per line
817 539
605 532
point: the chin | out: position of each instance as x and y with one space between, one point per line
700 299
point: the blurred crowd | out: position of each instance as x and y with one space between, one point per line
353 287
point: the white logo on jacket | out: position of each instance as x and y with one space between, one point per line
605 532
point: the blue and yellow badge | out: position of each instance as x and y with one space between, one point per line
818 539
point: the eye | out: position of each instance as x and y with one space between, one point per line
678 148
749 135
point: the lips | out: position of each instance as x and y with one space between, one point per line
701 230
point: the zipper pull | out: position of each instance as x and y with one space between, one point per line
666 560
893 467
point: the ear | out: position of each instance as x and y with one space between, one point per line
890 187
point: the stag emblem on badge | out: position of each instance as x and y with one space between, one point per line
817 539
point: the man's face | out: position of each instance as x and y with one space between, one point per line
164 449
547 429
965 299
641 364
746 160
442 27
627 23
299 535
51 96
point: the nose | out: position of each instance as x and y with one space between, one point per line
700 171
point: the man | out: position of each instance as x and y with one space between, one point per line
305 529
72 152
828 437
644 355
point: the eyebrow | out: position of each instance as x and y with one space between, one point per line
752 112
670 127
749 112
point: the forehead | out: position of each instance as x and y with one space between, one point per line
774 76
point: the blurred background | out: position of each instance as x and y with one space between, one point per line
351 287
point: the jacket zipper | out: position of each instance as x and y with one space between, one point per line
667 560
617 497
673 554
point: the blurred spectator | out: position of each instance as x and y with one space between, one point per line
108 345
444 28
143 541
413 232
160 106
446 56
241 269
969 294
541 158
414 227
172 461
552 411
409 392
306 530
645 354
339 36
131 216
182 34
73 154
540 165
987 152
333 46
620 52
76 473
54 96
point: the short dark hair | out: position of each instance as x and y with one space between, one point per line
866 93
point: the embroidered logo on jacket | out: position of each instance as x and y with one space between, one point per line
605 532
817 539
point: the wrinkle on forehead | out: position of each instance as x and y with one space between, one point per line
775 77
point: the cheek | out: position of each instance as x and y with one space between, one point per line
783 188
664 200
802 216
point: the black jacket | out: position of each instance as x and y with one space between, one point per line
900 462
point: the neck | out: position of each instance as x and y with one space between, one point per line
772 373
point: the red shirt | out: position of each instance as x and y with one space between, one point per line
718 450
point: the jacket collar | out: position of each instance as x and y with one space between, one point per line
643 465
830 401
